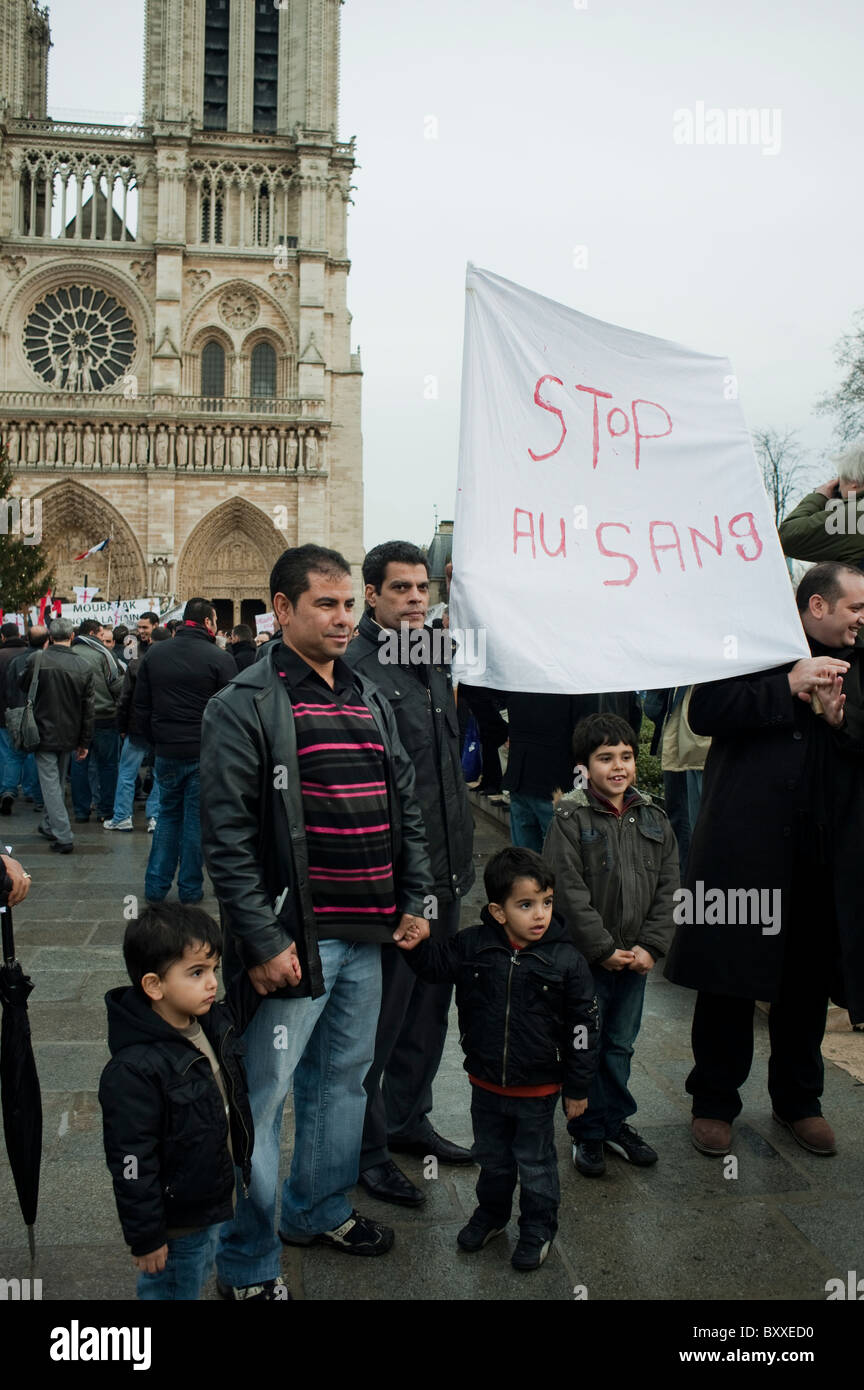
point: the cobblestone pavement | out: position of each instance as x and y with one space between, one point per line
690 1228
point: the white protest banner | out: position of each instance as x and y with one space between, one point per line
125 610
265 622
611 530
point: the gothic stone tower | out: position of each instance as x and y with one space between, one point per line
175 361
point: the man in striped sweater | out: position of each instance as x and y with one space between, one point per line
316 846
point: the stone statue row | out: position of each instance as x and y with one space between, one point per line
200 448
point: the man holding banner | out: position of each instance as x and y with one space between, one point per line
609 497
771 909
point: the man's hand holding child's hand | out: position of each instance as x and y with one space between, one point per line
574 1107
152 1263
411 931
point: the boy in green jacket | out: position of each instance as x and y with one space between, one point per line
615 859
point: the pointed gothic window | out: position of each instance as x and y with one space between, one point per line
213 371
263 372
266 66
216 30
211 207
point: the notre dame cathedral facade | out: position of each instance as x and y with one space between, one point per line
175 362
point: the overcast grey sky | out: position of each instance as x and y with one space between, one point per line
513 134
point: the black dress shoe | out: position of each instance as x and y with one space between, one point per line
46 834
386 1182
433 1147
61 849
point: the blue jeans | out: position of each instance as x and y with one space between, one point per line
529 820
620 994
94 779
187 1269
17 768
178 832
132 756
515 1135
325 1046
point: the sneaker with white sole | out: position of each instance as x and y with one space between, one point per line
356 1236
530 1253
270 1291
151 825
113 824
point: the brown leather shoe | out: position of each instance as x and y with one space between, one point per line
712 1137
813 1133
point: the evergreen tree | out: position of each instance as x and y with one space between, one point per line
24 575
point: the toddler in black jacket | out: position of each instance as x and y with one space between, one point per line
175 1111
528 1026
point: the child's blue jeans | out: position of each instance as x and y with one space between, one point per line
620 994
187 1269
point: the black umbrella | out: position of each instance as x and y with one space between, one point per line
19 1082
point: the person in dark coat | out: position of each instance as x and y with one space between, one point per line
175 681
412 1026
540 761
241 645
17 768
771 908
134 750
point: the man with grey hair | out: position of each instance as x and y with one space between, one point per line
63 709
829 523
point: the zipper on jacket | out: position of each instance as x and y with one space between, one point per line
514 960
237 1110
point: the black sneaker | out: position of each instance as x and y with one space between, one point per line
588 1158
530 1253
479 1231
270 1291
631 1146
356 1236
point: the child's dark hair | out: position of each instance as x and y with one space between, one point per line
596 729
511 863
159 936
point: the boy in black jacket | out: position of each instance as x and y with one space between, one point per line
528 1025
175 1111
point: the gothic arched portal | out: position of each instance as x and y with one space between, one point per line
75 517
228 558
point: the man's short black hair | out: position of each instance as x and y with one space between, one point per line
121 632
511 863
173 625
390 552
290 574
243 633
196 610
8 630
158 937
826 580
151 617
88 628
160 634
596 729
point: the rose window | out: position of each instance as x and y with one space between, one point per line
79 339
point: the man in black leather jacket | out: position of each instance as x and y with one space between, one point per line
287 852
409 664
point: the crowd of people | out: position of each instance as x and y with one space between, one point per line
322 783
